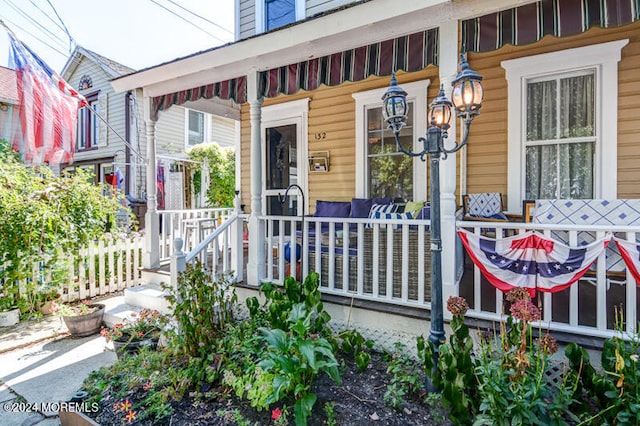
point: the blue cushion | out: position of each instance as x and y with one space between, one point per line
383 215
425 213
386 200
360 207
332 208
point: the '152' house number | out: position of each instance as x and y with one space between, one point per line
320 136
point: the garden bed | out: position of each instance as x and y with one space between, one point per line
358 401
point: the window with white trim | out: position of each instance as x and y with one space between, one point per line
381 169
198 128
563 110
88 134
272 14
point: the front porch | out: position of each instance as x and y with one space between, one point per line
383 267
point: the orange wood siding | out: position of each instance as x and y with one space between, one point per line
332 111
487 149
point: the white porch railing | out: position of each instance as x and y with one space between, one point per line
586 308
189 225
390 263
380 260
220 250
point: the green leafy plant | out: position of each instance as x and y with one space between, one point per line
329 410
296 358
406 378
616 392
203 306
83 308
353 344
455 375
145 324
221 165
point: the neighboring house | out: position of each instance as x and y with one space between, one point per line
10 128
102 149
309 86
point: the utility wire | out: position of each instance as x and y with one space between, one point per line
187 21
71 40
46 14
35 37
200 16
30 19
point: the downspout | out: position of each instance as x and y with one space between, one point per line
127 136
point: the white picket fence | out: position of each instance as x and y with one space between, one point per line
108 266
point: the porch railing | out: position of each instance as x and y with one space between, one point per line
388 261
380 260
189 225
588 307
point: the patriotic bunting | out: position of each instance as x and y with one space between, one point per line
630 252
49 109
530 260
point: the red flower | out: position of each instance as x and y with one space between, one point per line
147 386
131 416
125 405
276 413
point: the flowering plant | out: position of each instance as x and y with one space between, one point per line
83 308
147 323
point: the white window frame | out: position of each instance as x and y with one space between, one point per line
261 10
207 127
294 112
603 58
417 95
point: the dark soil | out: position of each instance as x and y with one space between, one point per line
359 400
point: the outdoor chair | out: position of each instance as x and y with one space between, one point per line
485 207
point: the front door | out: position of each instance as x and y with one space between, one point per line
284 132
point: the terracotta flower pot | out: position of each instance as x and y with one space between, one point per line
85 325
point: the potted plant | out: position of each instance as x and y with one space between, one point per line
9 309
82 319
142 330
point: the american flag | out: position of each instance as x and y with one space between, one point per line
49 109
530 260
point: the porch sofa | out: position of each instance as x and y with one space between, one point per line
373 256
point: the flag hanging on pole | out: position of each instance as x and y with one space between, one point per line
530 260
49 109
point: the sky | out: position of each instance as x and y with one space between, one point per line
135 33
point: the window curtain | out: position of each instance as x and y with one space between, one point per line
560 170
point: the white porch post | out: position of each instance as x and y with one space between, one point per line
256 260
151 255
448 61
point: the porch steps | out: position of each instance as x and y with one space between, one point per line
149 295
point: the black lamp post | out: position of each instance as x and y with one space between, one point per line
467 97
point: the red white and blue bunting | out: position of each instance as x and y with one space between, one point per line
530 23
408 53
531 260
630 252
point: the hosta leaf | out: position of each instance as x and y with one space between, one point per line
307 351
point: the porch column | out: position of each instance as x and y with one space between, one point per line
151 255
256 260
448 60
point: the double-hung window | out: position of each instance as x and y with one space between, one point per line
88 130
381 169
563 113
272 14
198 127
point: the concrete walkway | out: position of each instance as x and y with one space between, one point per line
40 366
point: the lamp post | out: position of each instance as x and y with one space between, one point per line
467 97
293 251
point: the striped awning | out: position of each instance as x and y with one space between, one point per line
529 23
408 53
235 89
